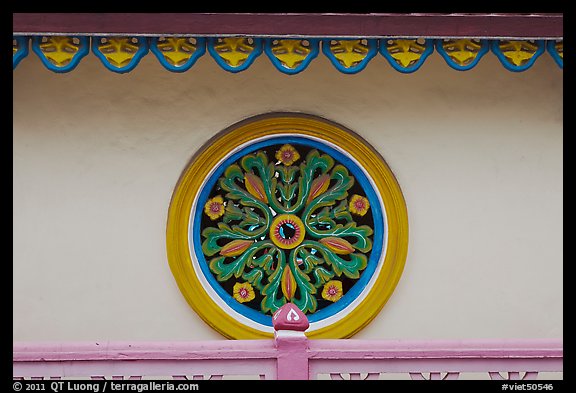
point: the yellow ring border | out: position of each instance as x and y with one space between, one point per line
218 147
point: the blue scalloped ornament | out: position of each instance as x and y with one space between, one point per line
291 56
20 50
552 47
234 54
350 56
120 54
516 55
178 54
406 55
462 54
60 53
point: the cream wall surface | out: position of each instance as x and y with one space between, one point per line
478 155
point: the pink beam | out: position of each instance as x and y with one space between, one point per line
106 350
176 359
177 369
266 349
452 357
386 349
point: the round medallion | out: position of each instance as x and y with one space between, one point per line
283 209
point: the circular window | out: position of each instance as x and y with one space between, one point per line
287 208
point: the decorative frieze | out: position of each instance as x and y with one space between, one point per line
289 55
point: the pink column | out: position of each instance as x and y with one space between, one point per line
291 342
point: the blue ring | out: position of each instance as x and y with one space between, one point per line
140 53
377 242
249 60
429 44
483 50
199 52
82 51
511 67
551 46
22 51
372 50
314 44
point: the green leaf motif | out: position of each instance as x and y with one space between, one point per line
232 213
341 212
322 218
236 267
271 302
308 259
213 235
287 192
303 297
266 261
337 192
255 277
350 268
322 276
287 173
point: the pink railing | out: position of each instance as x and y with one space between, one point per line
278 359
290 355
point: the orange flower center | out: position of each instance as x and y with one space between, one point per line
287 231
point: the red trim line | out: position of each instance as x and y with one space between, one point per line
542 25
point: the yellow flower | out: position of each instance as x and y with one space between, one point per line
359 205
214 208
243 292
332 290
288 155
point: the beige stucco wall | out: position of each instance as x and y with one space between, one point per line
478 155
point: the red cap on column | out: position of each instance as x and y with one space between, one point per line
290 317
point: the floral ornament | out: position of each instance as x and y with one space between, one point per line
332 290
287 155
214 208
359 205
286 231
243 292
